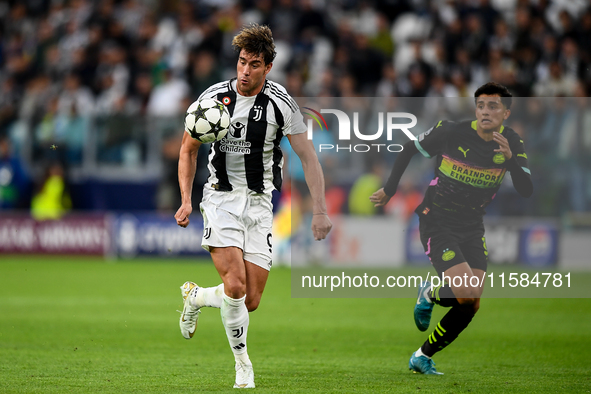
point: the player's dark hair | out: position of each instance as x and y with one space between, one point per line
256 40
493 88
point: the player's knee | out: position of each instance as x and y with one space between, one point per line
252 304
468 294
467 301
235 288
470 305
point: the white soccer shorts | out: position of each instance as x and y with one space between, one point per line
241 220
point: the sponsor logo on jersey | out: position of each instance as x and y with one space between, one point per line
448 255
471 175
236 129
233 146
463 151
499 158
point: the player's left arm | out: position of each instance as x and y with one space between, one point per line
516 161
304 148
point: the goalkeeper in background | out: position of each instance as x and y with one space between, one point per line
472 160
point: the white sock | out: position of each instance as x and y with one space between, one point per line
208 296
235 319
420 353
242 358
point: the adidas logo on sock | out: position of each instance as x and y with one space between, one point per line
239 346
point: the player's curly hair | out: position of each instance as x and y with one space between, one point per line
492 88
256 40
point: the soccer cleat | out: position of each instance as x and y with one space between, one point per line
190 314
424 307
244 376
423 365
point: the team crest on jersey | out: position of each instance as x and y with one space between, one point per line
236 129
258 113
226 100
499 158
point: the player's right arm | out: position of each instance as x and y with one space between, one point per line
382 196
429 144
187 168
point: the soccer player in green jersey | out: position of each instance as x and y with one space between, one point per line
472 160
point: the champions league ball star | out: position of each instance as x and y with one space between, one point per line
207 120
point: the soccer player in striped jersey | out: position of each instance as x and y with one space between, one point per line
245 167
472 160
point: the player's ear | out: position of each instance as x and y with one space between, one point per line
507 114
268 68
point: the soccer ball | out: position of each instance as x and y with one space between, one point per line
207 120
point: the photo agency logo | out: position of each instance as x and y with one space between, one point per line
392 124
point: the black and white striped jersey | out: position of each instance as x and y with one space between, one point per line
249 157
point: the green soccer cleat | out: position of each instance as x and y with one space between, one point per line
424 307
190 314
423 365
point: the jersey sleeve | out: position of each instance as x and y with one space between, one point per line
433 141
518 150
518 166
294 121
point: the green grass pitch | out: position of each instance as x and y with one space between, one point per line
82 325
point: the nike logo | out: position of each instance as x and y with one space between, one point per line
195 329
463 151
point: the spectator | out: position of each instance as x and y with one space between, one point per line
388 85
502 39
382 39
14 180
204 72
365 65
363 187
9 101
557 84
52 199
75 97
121 59
475 39
167 98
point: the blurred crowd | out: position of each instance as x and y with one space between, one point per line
70 68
